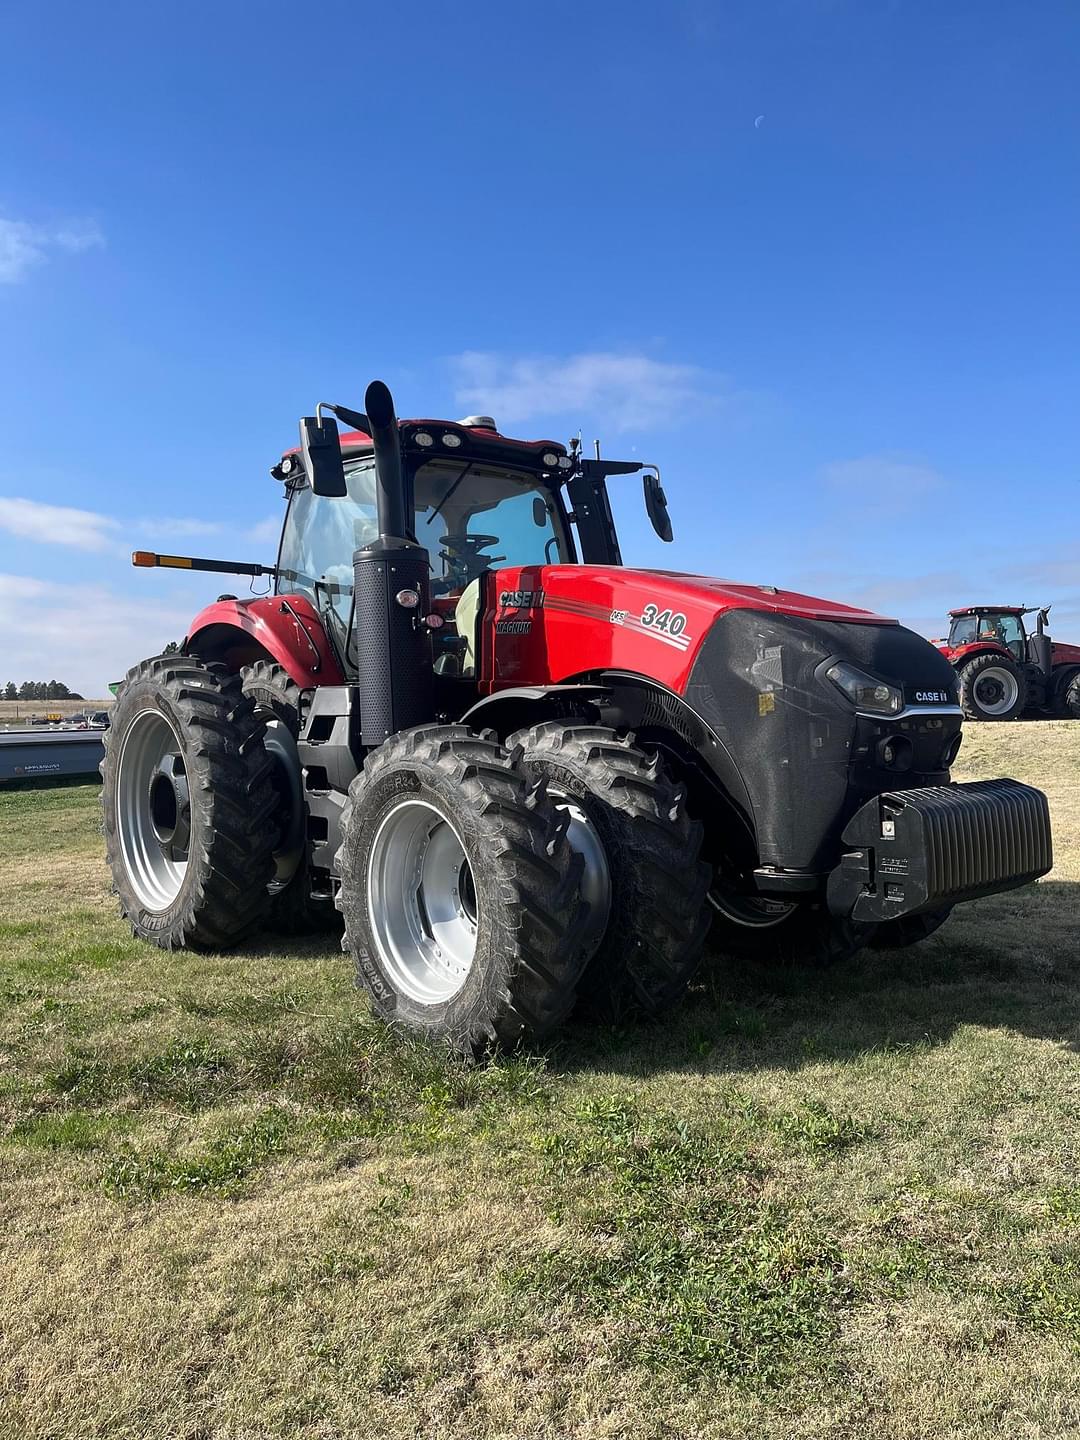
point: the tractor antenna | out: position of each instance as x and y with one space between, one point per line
596 447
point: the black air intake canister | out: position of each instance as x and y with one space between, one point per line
393 648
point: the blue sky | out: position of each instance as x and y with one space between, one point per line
848 333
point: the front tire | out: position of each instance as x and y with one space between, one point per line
188 805
909 930
798 933
992 687
460 892
648 951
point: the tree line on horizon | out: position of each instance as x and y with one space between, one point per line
39 690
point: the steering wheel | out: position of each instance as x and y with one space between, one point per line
462 554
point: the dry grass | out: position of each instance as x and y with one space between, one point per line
13 712
809 1206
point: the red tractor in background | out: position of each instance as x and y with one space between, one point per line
525 775
1006 671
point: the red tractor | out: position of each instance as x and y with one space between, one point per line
525 775
1005 671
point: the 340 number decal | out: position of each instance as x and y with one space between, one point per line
665 620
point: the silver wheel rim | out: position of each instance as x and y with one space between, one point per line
280 745
755 912
153 806
996 690
422 903
596 875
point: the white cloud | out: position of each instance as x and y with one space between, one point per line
629 392
266 532
179 529
90 530
24 245
879 476
84 635
57 524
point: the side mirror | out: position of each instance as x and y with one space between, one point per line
540 514
656 505
321 451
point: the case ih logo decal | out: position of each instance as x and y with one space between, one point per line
522 599
932 697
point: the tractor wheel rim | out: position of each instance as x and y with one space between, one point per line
280 745
422 903
595 888
755 912
996 690
153 803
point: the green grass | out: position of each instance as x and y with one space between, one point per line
829 1205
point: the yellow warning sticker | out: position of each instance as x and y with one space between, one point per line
766 703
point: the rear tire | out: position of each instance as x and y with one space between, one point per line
652 943
292 910
909 930
992 687
773 931
460 891
1070 699
188 805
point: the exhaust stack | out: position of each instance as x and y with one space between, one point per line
391 596
389 481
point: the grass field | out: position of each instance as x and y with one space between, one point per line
811 1205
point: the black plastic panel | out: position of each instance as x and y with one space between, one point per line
806 760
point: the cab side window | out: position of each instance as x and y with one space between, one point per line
318 541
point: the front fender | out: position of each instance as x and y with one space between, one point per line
287 628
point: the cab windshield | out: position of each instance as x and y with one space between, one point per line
470 516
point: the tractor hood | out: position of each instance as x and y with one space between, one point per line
1065 654
729 594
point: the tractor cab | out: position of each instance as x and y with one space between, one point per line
475 501
1003 625
999 625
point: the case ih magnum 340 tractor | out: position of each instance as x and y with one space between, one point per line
525 775
1004 671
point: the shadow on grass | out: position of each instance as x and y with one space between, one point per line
1011 962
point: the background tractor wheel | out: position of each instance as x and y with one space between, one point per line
644 877
277 704
1070 699
786 932
188 805
909 930
992 687
460 891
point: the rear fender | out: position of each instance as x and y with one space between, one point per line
284 628
963 653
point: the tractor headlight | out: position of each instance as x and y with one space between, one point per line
865 691
550 459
